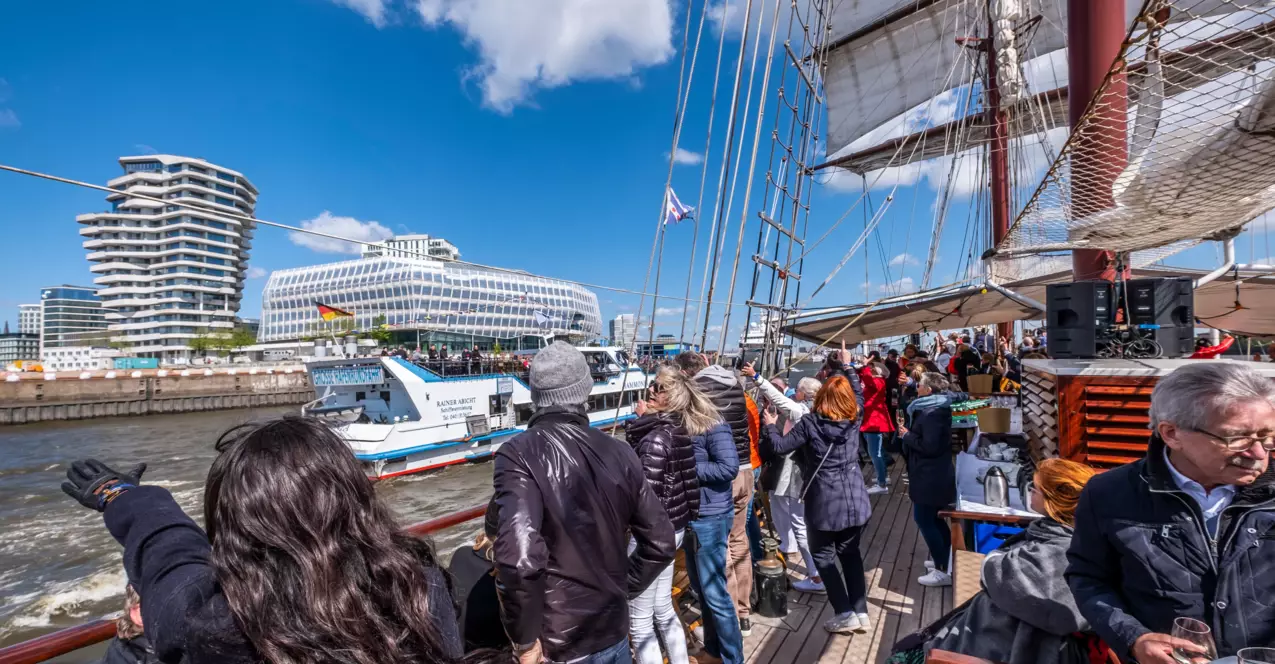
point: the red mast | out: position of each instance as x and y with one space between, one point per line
1095 32
998 121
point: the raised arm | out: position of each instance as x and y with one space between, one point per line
775 445
168 558
790 408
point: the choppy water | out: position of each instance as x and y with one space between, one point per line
60 567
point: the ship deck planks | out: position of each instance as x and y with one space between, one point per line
894 557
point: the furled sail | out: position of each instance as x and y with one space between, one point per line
1198 151
888 57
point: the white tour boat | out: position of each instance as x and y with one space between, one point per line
403 417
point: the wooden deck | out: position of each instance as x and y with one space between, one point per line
894 557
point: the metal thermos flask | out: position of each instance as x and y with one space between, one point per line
996 488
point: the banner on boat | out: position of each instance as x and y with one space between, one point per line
337 376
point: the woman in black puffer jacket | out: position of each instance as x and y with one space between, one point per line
668 460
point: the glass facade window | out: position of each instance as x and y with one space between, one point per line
467 300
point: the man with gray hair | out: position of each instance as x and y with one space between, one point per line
1188 531
567 497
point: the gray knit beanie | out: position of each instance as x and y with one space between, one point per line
560 376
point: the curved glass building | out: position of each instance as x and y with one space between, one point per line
439 301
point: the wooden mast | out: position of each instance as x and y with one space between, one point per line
998 151
1095 32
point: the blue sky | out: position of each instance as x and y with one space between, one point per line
528 141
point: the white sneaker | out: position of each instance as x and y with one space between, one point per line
878 489
865 623
936 578
929 565
843 623
809 586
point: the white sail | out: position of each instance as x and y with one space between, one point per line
878 70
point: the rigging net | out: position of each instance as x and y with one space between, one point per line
1178 144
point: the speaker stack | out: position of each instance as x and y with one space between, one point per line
1078 315
1169 303
1075 312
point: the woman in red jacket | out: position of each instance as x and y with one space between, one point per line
876 420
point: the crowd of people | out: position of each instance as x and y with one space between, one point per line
300 561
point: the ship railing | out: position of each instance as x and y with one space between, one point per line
65 641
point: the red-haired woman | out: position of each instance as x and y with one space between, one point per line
825 445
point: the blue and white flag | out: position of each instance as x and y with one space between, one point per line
674 210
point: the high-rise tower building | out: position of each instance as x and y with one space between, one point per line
166 272
29 318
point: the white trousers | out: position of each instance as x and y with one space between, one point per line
790 523
653 610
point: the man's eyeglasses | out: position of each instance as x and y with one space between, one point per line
1243 441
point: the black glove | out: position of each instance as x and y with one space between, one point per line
95 484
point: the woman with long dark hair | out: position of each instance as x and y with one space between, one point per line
301 562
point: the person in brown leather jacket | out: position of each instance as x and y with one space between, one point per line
566 499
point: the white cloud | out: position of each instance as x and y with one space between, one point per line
375 11
904 259
9 119
729 15
904 285
525 46
667 311
143 148
255 272
686 157
346 227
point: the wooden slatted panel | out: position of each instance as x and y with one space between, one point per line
1113 422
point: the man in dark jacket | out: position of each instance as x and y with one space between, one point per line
567 497
1188 531
724 388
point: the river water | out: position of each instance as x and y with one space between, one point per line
60 567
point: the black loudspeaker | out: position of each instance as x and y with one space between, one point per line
1169 303
1074 313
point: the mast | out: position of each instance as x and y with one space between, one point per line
998 150
1095 33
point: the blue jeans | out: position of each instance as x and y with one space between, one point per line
934 530
707 547
755 549
876 451
616 654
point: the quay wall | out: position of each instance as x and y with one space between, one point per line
34 399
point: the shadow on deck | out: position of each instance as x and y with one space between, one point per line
894 557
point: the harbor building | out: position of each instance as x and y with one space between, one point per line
427 301
71 316
18 347
413 246
29 318
621 330
167 273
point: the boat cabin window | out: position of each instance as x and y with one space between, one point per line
524 412
623 357
613 400
360 396
601 365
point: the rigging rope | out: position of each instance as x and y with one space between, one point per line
679 117
752 167
217 214
721 183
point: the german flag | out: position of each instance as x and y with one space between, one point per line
329 313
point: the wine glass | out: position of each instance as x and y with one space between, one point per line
1195 631
1256 656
